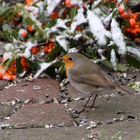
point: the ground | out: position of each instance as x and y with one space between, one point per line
39 110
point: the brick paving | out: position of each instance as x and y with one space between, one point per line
40 115
69 133
37 90
34 104
27 106
3 84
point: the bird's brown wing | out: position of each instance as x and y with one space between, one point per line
97 79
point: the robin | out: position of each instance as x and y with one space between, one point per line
87 77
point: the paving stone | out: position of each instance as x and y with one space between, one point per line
5 110
116 107
125 130
3 84
109 107
37 90
66 133
34 115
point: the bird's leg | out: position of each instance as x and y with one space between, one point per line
93 102
85 105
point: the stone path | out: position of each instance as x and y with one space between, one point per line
39 111
69 133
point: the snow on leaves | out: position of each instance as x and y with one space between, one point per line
97 28
78 19
118 37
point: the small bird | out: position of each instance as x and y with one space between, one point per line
87 77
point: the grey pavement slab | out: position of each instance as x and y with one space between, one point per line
125 130
39 115
37 90
118 115
5 110
115 107
3 84
66 133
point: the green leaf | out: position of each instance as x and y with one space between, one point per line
55 52
133 61
62 71
51 23
120 67
19 66
73 12
34 65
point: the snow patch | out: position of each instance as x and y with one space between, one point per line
61 39
78 19
134 51
27 53
52 4
118 37
97 28
43 66
113 59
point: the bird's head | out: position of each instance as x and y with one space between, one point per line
72 59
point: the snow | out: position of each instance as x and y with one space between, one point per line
72 50
113 59
40 6
119 1
100 52
97 11
96 3
7 55
29 45
9 47
33 10
107 20
118 37
97 28
43 66
61 39
78 19
37 22
77 36
134 51
76 2
52 4
59 24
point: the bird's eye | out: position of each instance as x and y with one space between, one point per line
70 58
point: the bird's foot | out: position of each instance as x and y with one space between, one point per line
80 111
93 103
85 106
83 109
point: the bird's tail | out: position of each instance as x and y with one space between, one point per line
124 89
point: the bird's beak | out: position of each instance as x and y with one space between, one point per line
65 58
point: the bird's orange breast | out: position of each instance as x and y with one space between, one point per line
69 64
68 67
